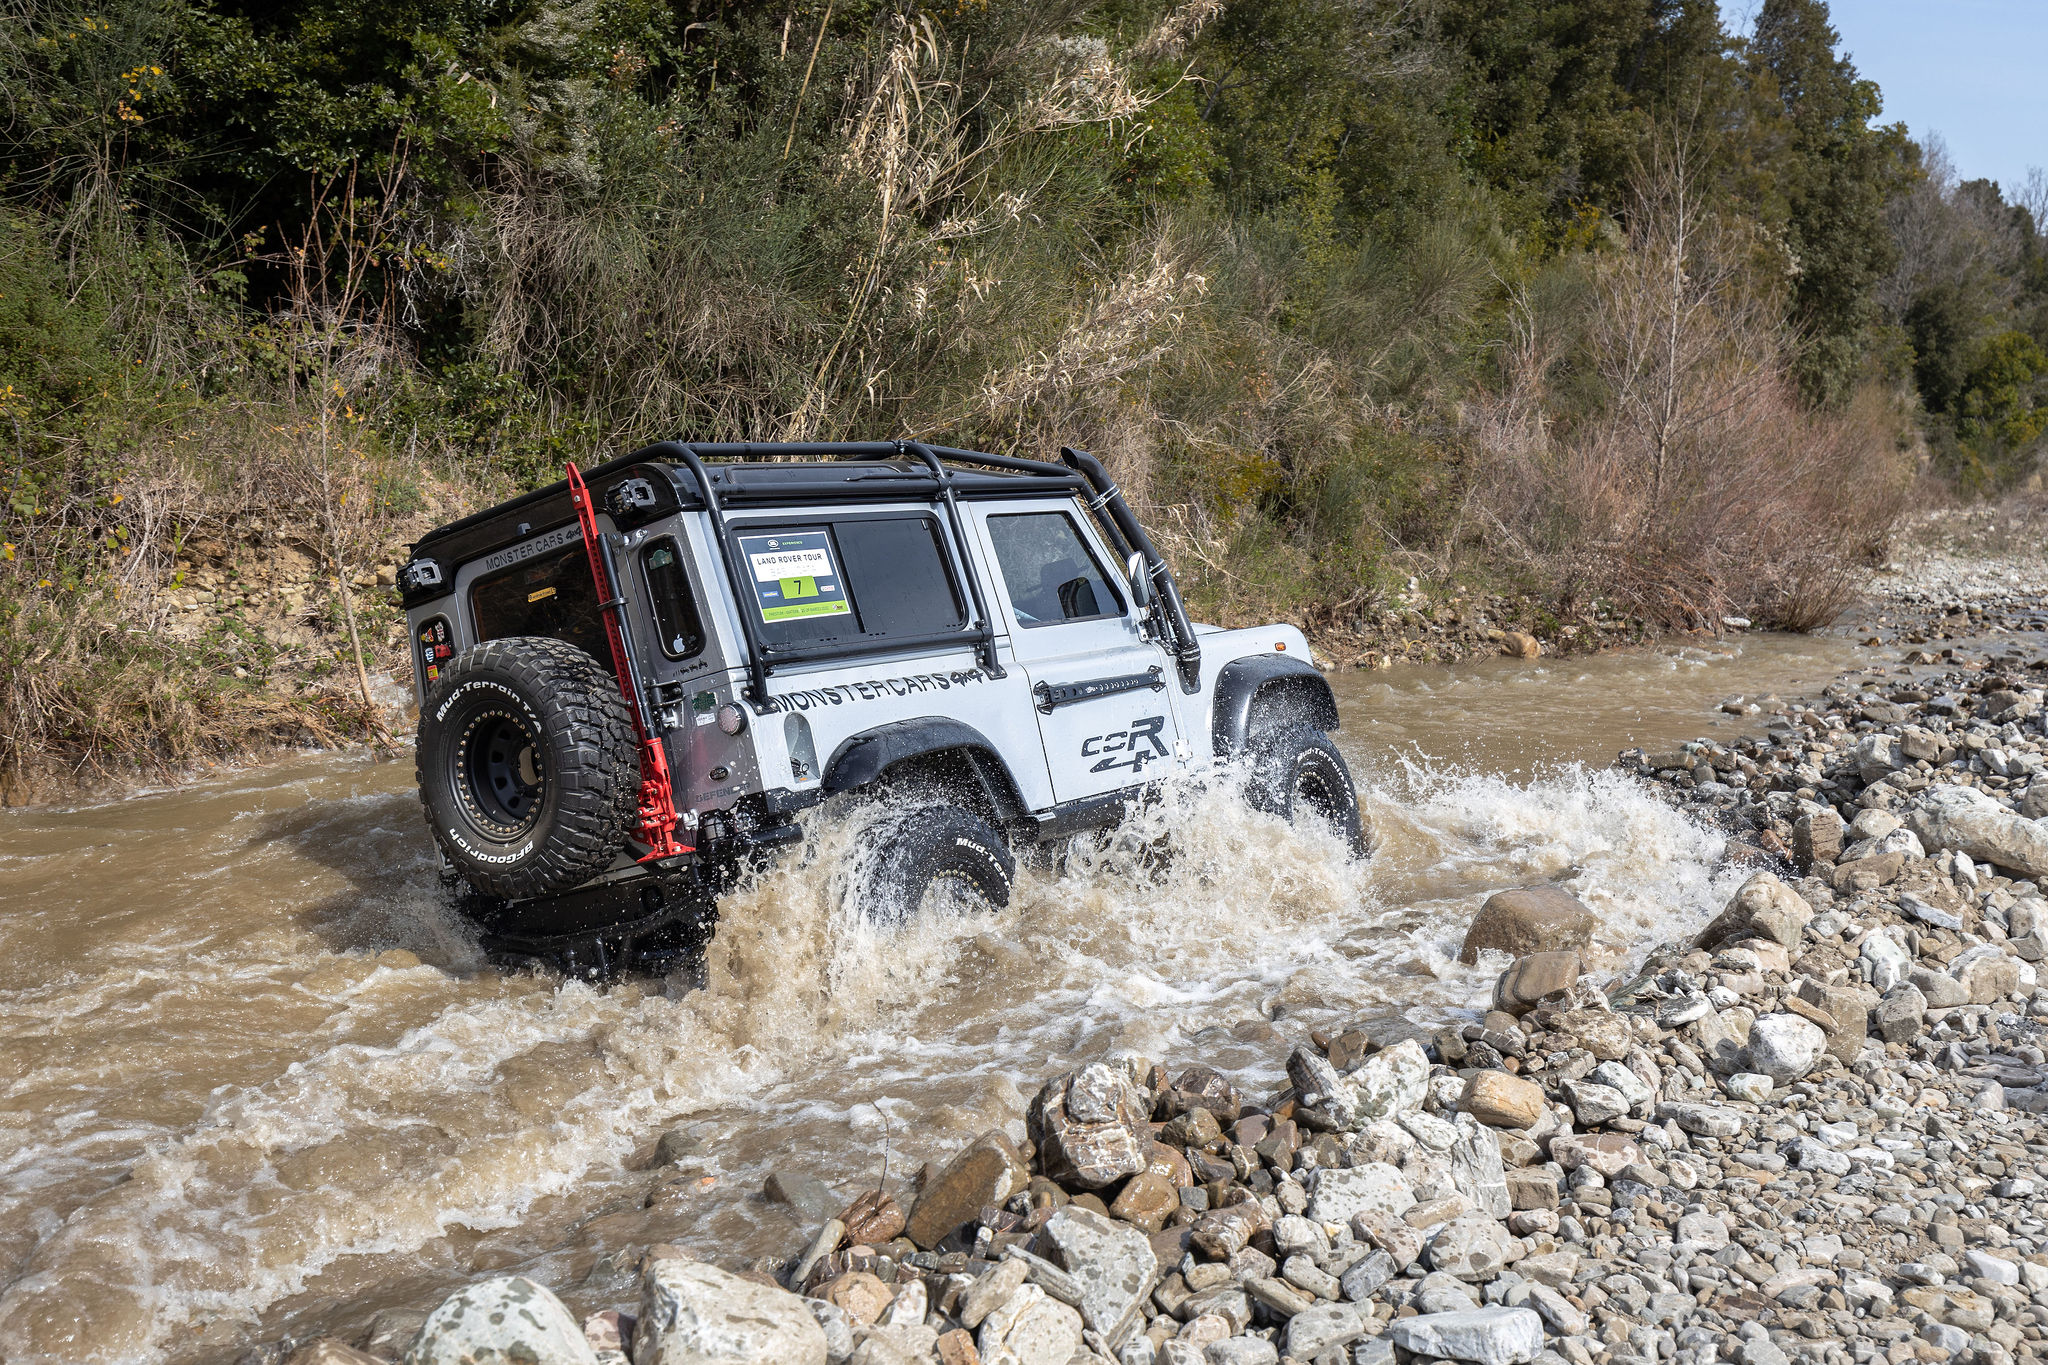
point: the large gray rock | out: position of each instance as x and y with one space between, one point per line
1390 1083
1089 1124
697 1314
1763 907
1472 1247
1989 974
1338 1194
1322 1328
1529 919
1112 1263
1318 1086
1785 1046
1901 1014
508 1320
1965 819
1484 1336
1029 1329
1477 1169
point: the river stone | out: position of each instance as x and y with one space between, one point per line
1484 1336
1940 990
1701 1120
1390 1083
1029 1329
1201 1087
1632 1087
1528 919
508 1320
335 1351
1533 977
1240 1351
1603 1033
1885 962
1763 907
1963 818
1222 1233
1472 1247
1594 1104
1704 1231
1317 1085
1989 975
697 1314
858 1294
1477 1169
1606 1153
1501 1100
988 1171
1785 1046
1324 1327
1090 1126
1112 1263
1147 1200
1337 1194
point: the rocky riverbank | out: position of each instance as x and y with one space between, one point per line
1809 1133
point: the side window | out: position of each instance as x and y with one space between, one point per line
1050 574
675 606
552 595
849 578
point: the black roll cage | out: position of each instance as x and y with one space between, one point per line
1080 473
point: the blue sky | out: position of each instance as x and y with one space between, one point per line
1975 71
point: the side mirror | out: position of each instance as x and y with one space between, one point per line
1141 582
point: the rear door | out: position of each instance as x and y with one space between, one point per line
1100 687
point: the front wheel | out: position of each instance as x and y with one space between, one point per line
932 858
1296 772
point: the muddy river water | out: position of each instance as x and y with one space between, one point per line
254 1080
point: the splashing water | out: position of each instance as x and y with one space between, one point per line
259 1080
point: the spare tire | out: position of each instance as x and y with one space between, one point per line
528 766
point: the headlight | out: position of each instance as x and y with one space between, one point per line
731 719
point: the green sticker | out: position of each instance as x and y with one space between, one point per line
795 575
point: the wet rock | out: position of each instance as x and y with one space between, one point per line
1221 1233
1318 1086
677 1144
1529 919
1146 1201
391 1332
1518 644
1764 907
507 1320
1391 1082
696 1314
874 1219
1199 1087
1965 819
1089 1127
1029 1328
837 1327
1785 1047
1337 1195
1534 977
1322 1328
1484 1336
987 1172
1111 1264
1500 1100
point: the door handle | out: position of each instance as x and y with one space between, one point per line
1052 696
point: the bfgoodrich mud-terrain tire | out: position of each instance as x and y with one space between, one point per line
1296 772
528 766
929 854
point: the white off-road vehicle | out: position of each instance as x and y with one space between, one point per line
631 682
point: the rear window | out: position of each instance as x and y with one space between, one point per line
849 578
553 596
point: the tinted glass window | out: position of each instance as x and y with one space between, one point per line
675 606
849 578
553 595
1050 575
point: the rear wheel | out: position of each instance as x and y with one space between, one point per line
528 767
1297 774
932 859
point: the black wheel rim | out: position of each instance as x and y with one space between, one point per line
1315 790
502 779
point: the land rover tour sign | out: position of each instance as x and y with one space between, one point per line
794 575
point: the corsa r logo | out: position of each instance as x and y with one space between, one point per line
1127 748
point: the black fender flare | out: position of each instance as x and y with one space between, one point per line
1243 685
864 757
